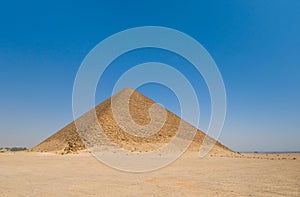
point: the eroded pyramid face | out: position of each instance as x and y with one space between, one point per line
136 124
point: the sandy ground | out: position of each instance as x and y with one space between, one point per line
46 174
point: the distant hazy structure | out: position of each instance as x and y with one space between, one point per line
13 149
67 140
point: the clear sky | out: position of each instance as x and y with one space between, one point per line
256 45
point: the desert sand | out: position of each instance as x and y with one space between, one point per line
61 165
49 174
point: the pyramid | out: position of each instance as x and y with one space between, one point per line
69 139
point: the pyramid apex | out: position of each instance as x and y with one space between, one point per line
128 89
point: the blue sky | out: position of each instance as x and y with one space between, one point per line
255 44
